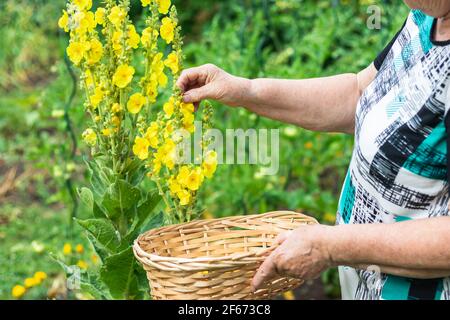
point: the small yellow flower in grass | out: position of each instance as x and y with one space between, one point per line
172 62
163 6
79 248
145 3
76 51
167 29
40 276
90 137
82 264
67 249
18 291
63 22
94 258
184 196
117 16
140 148
30 282
123 76
309 145
100 16
195 179
135 103
289 295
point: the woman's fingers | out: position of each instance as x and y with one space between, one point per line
193 76
266 271
198 94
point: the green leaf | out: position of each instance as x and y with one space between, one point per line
102 230
120 197
118 273
155 221
87 197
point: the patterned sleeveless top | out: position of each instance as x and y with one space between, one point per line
398 169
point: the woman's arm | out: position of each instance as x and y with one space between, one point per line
417 249
321 104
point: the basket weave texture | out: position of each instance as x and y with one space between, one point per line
215 259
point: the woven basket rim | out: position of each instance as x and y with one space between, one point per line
145 257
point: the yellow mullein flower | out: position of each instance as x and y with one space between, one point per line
123 76
183 174
163 6
18 291
95 52
87 21
172 62
135 103
79 248
90 137
156 166
168 108
97 97
133 37
30 282
82 264
88 78
115 121
186 107
188 122
152 134
184 196
116 108
106 132
100 16
63 22
76 51
162 80
167 29
140 148
174 186
117 41
117 16
194 179
209 164
40 275
148 36
67 249
83 4
145 3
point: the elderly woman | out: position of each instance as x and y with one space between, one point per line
392 238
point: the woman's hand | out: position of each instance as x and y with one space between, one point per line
302 254
211 82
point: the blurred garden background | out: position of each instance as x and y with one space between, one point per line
41 153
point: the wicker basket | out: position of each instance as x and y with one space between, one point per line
214 259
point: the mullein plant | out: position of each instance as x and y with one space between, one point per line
133 136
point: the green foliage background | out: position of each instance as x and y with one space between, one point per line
251 38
